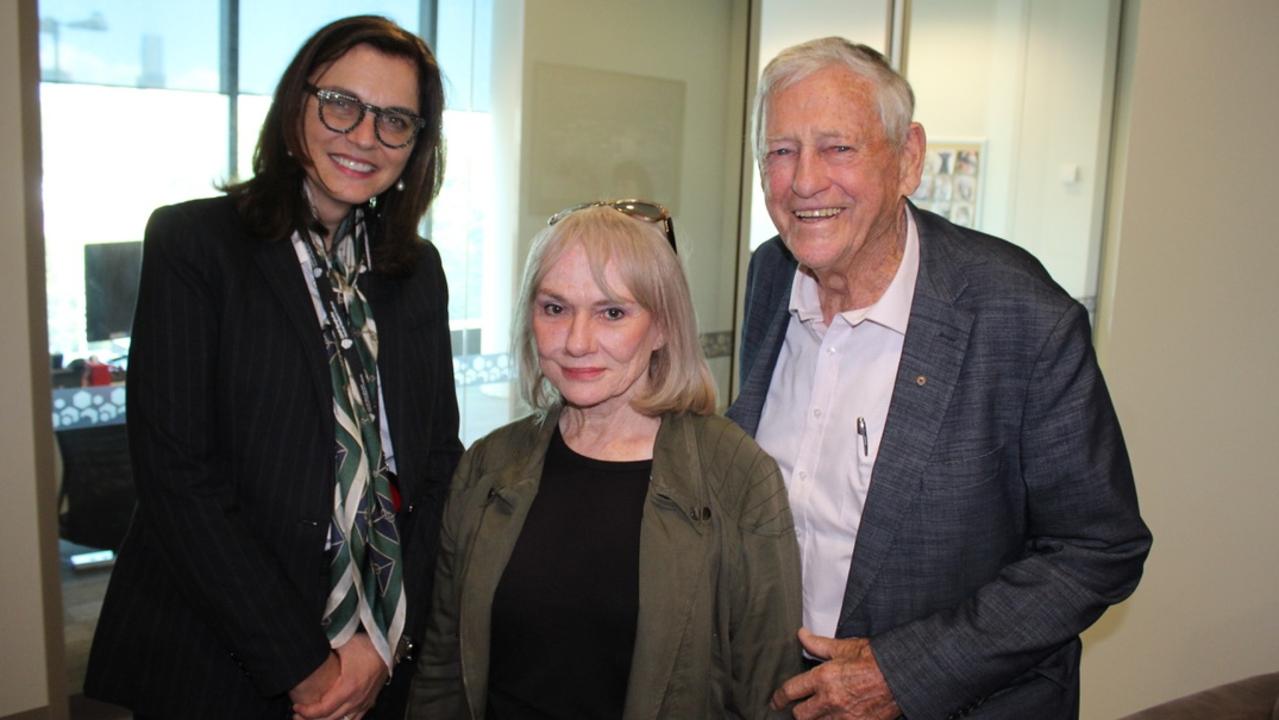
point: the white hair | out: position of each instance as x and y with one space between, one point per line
893 95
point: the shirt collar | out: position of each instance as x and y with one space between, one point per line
892 309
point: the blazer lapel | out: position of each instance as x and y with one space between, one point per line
762 372
932 356
279 264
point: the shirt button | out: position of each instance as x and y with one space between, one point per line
817 412
803 474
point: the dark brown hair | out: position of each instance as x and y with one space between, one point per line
272 201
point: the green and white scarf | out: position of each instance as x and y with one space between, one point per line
365 574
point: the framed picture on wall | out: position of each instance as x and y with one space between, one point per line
951 181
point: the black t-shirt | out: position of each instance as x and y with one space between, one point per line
564 614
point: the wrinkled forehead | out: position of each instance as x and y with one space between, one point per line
832 100
833 81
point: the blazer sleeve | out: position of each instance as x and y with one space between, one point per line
185 498
444 447
1084 549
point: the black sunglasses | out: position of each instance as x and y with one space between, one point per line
638 209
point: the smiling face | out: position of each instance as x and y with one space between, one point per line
595 349
834 185
347 169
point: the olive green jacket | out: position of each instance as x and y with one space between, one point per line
719 589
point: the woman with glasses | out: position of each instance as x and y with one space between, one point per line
622 552
292 417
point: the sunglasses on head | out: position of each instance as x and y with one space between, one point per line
638 209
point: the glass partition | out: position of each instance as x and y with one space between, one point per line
1016 98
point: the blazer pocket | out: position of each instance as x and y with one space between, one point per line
963 475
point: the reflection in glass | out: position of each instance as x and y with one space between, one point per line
141 43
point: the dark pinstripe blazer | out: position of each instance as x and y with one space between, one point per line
1001 519
214 606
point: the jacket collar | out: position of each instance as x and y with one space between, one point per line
513 481
675 476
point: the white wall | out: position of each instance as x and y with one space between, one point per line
966 63
30 598
1031 79
1187 337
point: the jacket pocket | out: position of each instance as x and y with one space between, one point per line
965 474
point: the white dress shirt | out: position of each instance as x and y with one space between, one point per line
830 383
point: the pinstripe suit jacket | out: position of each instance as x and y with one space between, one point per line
1001 519
214 605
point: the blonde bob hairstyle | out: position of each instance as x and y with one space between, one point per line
679 379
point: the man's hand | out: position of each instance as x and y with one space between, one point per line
848 685
362 676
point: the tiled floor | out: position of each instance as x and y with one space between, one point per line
83 708
82 601
82 592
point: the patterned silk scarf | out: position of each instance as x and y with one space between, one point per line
365 573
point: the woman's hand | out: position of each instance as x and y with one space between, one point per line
361 679
320 680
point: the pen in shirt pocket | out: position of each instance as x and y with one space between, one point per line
861 430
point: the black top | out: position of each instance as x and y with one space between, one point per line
564 613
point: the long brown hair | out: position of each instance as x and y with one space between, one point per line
272 201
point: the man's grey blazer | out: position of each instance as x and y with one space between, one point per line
1001 519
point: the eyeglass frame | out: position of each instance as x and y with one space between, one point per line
627 207
325 95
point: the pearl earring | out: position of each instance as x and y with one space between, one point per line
399 184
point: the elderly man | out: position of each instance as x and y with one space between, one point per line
962 495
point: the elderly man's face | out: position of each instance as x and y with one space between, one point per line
833 183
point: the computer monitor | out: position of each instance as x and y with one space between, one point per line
111 272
